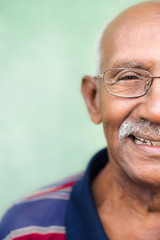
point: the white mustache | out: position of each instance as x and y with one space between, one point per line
141 127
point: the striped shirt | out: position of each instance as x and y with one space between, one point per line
63 211
41 215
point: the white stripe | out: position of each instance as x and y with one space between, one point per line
57 196
34 229
65 195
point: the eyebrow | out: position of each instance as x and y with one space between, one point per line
133 64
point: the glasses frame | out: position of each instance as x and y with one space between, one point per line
148 83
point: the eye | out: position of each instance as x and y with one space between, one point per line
129 76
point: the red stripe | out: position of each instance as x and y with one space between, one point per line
51 190
48 236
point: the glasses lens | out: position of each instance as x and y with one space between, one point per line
126 82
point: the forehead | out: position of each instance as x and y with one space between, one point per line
132 38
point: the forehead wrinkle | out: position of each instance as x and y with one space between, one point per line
115 46
133 34
128 24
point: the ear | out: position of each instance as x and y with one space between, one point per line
90 92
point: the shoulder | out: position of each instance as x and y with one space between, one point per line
39 215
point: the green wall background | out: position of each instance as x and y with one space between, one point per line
46 46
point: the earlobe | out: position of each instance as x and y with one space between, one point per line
90 92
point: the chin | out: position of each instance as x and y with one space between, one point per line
140 168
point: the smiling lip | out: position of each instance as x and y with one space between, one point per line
139 141
141 148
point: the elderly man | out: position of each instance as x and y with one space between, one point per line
119 195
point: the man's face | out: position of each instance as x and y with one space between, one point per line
136 42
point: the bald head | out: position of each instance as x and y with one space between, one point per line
137 23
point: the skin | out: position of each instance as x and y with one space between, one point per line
127 191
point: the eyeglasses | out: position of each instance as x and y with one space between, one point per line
127 82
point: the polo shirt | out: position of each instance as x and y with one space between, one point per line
64 210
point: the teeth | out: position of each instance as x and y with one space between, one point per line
147 142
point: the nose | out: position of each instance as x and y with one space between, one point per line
149 108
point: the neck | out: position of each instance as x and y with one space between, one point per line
130 208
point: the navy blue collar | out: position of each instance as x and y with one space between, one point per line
82 220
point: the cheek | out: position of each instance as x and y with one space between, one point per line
114 111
